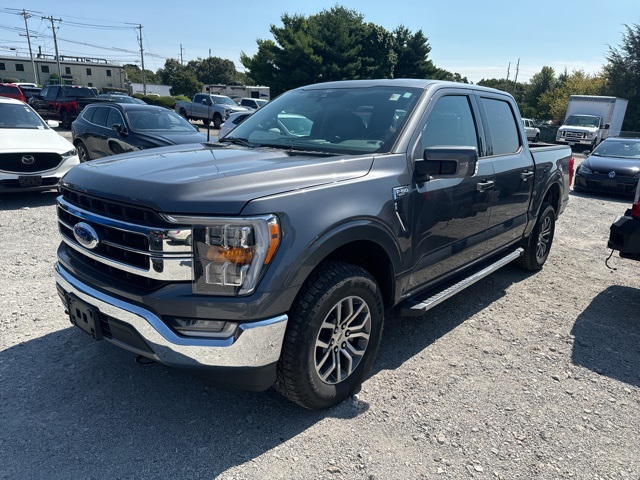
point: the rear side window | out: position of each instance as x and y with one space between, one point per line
503 126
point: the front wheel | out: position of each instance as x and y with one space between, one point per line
332 338
536 139
83 154
538 245
217 121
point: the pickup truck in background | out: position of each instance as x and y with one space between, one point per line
208 108
63 102
271 257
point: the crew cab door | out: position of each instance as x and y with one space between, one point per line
450 213
43 102
513 170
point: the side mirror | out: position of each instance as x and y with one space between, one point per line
447 161
606 126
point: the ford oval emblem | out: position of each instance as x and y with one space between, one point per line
86 235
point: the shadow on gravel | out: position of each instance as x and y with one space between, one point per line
71 407
404 337
20 200
607 335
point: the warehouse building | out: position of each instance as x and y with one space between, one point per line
91 72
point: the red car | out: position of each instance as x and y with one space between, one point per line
12 91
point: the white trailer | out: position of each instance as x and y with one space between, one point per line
590 119
238 91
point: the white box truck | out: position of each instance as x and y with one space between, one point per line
590 119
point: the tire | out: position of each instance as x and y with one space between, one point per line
65 120
83 154
539 242
536 139
338 315
217 120
183 113
206 122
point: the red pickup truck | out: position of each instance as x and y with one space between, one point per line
64 102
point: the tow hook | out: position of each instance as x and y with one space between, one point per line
144 361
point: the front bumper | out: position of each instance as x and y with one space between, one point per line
624 236
252 346
600 182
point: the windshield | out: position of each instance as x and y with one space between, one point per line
338 121
582 121
222 100
159 119
20 116
617 148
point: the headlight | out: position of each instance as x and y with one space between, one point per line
69 154
232 254
591 135
585 170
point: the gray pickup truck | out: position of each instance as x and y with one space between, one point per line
209 108
271 258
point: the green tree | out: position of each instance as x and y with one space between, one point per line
337 44
214 70
413 55
133 74
182 79
555 100
540 83
623 74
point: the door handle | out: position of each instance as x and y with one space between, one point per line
484 186
526 175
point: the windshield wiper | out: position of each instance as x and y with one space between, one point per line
298 149
237 141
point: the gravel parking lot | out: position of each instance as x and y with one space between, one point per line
522 376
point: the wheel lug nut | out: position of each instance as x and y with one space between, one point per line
344 344
347 333
335 349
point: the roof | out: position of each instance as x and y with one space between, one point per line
11 100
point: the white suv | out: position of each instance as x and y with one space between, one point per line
533 132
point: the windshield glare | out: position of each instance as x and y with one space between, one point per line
338 121
20 116
617 148
160 119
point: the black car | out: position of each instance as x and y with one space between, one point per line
111 128
624 235
613 167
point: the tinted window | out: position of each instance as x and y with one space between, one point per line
450 123
114 118
100 116
503 126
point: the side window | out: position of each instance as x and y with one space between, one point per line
450 123
502 125
100 116
114 118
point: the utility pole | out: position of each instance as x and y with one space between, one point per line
506 86
55 43
144 80
515 82
181 52
25 15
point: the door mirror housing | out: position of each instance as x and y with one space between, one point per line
447 162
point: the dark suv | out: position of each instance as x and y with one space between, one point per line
104 129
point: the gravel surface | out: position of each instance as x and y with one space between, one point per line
522 376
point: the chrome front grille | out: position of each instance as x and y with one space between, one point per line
570 134
160 253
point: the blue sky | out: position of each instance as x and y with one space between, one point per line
476 39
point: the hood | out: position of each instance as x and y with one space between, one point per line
622 166
208 179
237 108
32 140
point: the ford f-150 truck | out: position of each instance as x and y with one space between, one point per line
208 108
272 257
64 102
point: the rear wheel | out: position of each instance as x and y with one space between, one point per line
539 242
333 335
